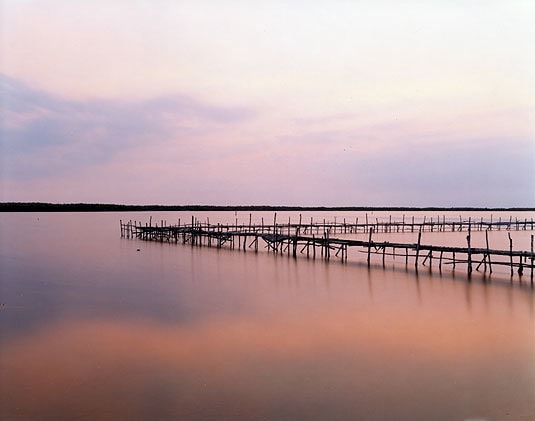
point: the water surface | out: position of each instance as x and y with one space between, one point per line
92 328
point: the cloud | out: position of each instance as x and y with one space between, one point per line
176 149
46 135
412 163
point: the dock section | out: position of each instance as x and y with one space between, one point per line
318 240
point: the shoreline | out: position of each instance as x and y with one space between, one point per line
111 207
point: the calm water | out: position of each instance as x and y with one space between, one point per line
93 329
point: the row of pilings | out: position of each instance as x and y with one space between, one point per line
316 240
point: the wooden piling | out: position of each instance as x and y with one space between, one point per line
510 252
488 253
418 249
370 245
468 239
532 259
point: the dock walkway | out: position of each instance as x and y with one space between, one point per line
315 241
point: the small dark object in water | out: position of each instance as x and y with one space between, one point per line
138 250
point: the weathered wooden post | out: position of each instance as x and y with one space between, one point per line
469 248
418 249
370 244
510 252
532 259
488 253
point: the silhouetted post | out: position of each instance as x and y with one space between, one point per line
327 248
510 252
370 244
488 253
469 248
418 248
532 258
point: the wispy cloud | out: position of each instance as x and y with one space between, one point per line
44 135
176 149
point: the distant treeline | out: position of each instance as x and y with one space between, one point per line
105 207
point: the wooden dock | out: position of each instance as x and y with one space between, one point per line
315 240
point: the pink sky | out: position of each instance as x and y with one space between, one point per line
331 103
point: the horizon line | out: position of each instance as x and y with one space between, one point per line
103 207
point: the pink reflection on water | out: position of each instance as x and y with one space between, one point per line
181 332
246 367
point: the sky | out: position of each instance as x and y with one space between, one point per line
311 103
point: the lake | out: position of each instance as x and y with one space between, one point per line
93 328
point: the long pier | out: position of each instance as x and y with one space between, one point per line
315 240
